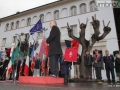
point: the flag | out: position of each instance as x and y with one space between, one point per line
11 62
46 50
71 54
20 69
43 61
8 51
75 43
26 69
42 54
48 66
37 27
59 64
34 51
18 53
33 59
0 54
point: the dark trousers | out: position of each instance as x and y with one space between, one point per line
88 71
54 64
108 74
98 73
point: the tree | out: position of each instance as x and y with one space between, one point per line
87 45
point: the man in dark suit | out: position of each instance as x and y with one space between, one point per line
98 65
109 66
54 48
88 60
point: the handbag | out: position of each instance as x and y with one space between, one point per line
71 54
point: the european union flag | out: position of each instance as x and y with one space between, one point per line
37 27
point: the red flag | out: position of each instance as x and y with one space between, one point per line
26 69
75 44
20 69
48 66
71 54
33 64
42 54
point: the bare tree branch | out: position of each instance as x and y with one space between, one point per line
106 32
79 22
87 21
70 33
108 23
96 24
103 23
95 16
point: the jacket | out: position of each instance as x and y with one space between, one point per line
54 41
88 60
108 60
99 60
78 61
117 65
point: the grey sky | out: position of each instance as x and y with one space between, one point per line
9 7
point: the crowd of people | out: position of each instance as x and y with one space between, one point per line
58 66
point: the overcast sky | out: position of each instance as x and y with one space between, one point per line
9 7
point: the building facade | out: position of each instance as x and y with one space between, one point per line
62 11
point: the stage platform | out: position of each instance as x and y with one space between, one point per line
40 80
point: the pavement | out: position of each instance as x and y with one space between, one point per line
9 85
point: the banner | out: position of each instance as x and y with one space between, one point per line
71 54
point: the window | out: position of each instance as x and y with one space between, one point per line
23 37
17 24
92 6
74 28
23 23
64 34
14 39
42 18
83 8
7 27
64 12
12 25
56 14
40 35
73 10
34 20
48 16
28 21
3 42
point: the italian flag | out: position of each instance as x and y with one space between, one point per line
26 69
34 51
33 59
20 69
11 62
